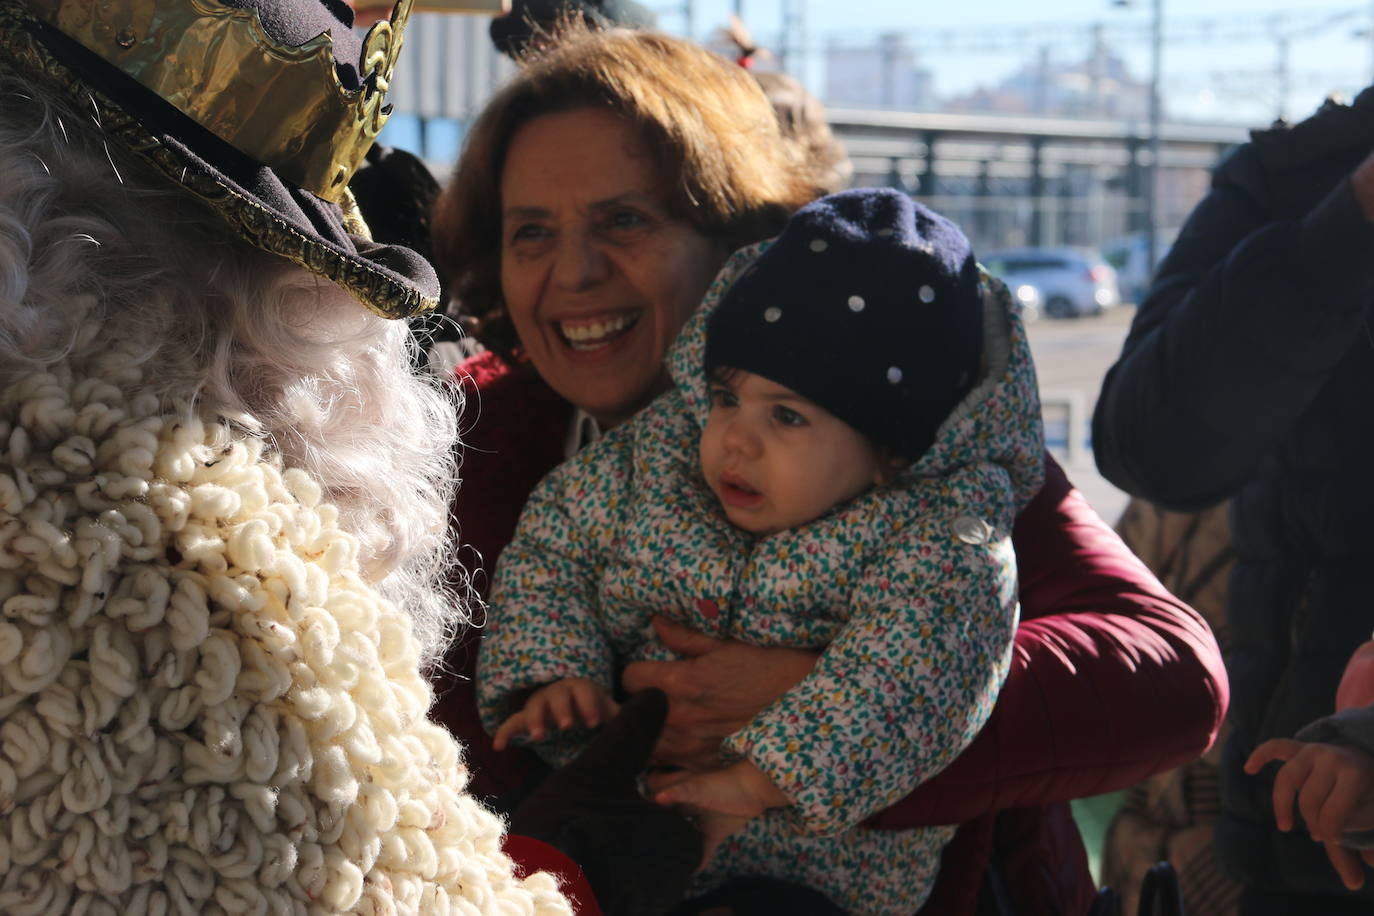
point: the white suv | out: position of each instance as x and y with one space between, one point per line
1072 281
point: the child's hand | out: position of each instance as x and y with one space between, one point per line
722 801
559 705
1333 787
1347 863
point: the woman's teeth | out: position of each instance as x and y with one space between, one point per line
588 335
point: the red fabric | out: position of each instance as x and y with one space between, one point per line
1112 678
1040 859
531 855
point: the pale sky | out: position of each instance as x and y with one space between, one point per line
1228 75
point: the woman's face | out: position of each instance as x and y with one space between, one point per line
597 276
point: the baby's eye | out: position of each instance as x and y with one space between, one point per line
788 417
723 397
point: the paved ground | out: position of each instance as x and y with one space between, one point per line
1071 357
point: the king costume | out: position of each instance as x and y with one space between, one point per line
207 705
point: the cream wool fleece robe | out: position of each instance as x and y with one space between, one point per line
203 707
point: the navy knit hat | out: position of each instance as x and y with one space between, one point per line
866 304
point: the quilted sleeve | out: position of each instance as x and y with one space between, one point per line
1246 321
543 623
904 687
1112 678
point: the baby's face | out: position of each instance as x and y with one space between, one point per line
776 460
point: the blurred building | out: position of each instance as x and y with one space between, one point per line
882 76
1096 86
448 71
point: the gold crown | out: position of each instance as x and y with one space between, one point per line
283 106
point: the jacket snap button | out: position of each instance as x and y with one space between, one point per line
971 530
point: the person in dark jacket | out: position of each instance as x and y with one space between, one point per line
1246 374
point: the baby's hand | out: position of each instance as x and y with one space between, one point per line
559 705
722 801
1334 790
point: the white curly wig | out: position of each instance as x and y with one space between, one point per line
101 260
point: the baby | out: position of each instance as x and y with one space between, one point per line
854 428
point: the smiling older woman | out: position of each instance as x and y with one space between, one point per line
597 196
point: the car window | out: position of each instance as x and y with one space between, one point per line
1028 263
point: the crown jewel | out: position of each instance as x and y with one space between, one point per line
283 106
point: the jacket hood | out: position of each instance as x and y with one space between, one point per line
998 421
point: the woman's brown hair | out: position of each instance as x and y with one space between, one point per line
710 128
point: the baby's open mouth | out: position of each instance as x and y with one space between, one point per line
591 333
736 492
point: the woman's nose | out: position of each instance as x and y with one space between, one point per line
580 263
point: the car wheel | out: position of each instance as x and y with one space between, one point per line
1059 307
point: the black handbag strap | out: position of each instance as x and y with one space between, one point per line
1160 894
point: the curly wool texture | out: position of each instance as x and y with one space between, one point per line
205 708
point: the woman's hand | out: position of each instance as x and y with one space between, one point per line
714 692
559 705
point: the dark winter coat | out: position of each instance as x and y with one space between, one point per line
1248 373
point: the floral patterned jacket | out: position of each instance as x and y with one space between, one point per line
910 588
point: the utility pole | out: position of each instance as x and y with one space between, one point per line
1284 39
1156 123
1284 82
792 56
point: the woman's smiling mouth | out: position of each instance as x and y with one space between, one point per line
597 331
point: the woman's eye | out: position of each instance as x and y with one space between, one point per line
626 219
788 417
530 232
